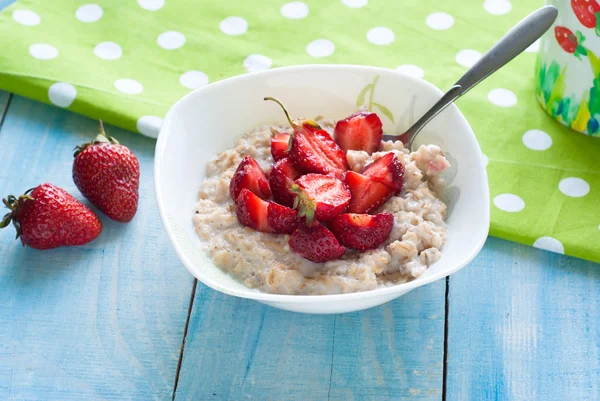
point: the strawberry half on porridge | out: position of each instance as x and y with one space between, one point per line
315 207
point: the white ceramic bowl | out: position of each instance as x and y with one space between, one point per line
211 119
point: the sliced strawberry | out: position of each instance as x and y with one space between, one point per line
316 152
315 243
281 180
282 219
388 170
249 175
367 194
360 131
279 146
362 231
253 211
320 196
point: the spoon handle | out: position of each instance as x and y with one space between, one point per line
519 38
512 44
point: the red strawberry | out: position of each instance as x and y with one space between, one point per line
265 216
320 197
249 175
367 194
47 217
281 179
315 243
253 211
387 170
362 231
360 131
585 11
313 150
282 219
279 146
570 42
108 175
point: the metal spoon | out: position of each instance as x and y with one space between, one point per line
512 44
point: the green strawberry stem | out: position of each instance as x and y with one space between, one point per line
304 204
14 204
102 137
287 115
597 15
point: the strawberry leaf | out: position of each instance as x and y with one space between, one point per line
363 93
385 111
304 204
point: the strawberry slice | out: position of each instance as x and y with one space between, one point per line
279 146
315 243
249 175
320 197
282 219
362 231
313 150
388 170
360 131
281 180
367 193
252 211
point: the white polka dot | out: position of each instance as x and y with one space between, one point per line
233 26
129 86
108 50
598 226
193 79
257 62
43 51
320 48
411 69
467 57
171 40
497 7
151 5
509 203
62 94
549 244
381 36
89 13
294 10
486 160
26 17
574 187
502 97
149 125
534 47
355 3
537 140
439 21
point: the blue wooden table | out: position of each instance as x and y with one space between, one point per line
121 319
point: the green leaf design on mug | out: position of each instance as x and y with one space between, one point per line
385 111
369 89
363 93
557 92
595 63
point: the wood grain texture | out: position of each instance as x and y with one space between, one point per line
100 321
523 325
241 350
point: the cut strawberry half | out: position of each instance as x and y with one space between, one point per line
282 219
312 150
252 211
367 194
388 170
279 146
315 243
281 179
250 176
362 231
360 131
320 197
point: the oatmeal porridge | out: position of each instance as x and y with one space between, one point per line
265 261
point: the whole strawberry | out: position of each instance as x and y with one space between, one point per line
47 217
108 175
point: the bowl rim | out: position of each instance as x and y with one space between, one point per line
306 299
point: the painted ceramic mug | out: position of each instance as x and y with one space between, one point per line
567 68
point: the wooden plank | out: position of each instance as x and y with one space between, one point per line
523 325
4 100
100 321
238 349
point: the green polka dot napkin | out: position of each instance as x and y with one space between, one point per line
127 61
